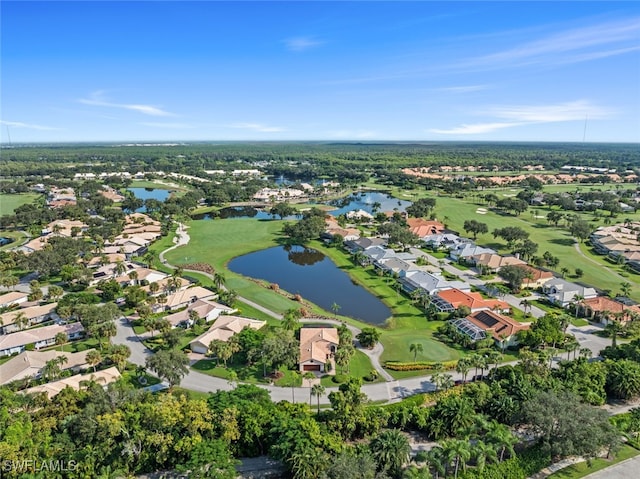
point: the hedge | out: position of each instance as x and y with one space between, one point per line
419 366
529 462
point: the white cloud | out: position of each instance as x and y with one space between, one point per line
300 44
569 111
96 99
474 129
175 126
519 115
462 89
570 46
30 126
256 127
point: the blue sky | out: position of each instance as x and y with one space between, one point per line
427 71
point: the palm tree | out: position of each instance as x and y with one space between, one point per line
318 390
526 304
484 452
463 368
291 318
614 328
119 268
625 288
564 270
219 279
93 358
60 339
416 348
20 320
436 460
335 307
585 353
501 437
309 376
391 451
457 451
577 299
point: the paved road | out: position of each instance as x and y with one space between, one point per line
629 469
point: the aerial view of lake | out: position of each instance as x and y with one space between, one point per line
315 277
367 201
235 212
149 193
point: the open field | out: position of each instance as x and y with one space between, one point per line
9 202
218 241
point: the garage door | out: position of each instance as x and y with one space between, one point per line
311 367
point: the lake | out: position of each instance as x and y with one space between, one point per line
367 201
149 194
315 277
236 212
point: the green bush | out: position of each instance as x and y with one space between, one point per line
339 378
419 365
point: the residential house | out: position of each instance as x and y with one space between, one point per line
28 364
15 343
484 324
362 244
77 382
222 330
451 299
466 251
493 262
13 298
317 349
32 315
395 266
428 283
536 277
207 310
444 240
423 228
360 215
604 309
563 292
184 297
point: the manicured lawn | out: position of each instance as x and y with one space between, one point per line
9 202
360 366
19 238
216 242
582 469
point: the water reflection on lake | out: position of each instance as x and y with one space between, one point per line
315 277
371 202
149 194
235 212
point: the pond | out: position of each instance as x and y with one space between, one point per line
368 201
315 277
235 212
149 194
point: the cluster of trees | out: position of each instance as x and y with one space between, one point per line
309 227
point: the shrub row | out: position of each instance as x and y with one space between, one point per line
419 366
